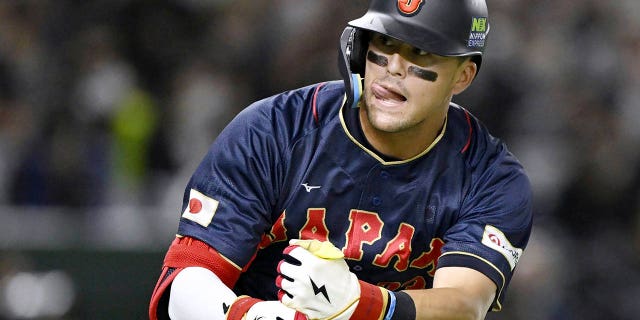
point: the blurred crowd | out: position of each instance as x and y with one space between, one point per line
114 102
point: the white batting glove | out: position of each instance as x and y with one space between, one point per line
247 308
317 281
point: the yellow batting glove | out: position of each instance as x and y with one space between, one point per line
320 249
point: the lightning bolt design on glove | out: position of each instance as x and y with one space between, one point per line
317 290
316 280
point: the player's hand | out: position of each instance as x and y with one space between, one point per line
247 308
315 279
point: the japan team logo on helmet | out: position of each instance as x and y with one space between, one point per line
409 7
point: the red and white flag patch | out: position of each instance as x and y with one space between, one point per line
200 209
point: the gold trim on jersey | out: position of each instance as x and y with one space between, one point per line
377 157
498 305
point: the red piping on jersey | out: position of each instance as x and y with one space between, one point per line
314 104
466 146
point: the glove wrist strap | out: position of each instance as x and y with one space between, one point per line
240 307
373 303
405 307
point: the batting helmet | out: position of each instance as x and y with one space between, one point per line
444 27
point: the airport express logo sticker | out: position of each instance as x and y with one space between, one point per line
478 34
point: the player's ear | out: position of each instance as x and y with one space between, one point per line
465 74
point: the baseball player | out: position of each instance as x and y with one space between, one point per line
374 197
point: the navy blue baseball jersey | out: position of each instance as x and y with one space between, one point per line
296 165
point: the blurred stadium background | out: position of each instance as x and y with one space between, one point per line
106 106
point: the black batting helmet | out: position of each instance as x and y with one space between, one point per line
444 27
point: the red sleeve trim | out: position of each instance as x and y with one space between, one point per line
166 277
372 304
189 252
240 307
466 146
314 105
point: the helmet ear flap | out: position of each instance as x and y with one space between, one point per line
359 48
351 54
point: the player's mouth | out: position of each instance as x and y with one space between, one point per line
387 95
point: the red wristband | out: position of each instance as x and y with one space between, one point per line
240 307
372 304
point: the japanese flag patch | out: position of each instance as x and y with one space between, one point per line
200 209
496 240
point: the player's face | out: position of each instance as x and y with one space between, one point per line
407 90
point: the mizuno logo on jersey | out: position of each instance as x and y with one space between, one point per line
308 188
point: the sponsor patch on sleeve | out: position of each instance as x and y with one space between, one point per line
496 240
200 209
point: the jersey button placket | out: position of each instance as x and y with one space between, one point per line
376 191
376 200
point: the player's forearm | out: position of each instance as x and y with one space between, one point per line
197 293
447 303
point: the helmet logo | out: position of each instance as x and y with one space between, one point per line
478 34
409 7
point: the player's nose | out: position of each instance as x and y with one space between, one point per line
397 65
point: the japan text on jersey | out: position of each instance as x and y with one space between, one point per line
289 167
